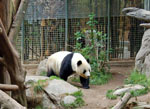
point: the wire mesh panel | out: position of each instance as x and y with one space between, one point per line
47 22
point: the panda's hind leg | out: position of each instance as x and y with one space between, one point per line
50 72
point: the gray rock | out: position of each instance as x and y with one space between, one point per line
60 87
142 60
55 87
69 99
128 88
141 14
42 67
35 78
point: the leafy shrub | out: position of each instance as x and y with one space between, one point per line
95 50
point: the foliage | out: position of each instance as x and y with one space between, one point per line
103 79
43 73
38 86
54 77
138 78
135 78
110 95
92 45
39 107
78 102
139 92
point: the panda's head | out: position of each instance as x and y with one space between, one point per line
81 66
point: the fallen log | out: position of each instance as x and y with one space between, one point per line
123 101
8 87
8 103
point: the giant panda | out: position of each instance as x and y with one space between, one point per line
65 63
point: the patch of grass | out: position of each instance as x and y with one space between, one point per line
78 102
38 86
54 77
39 107
43 73
134 78
77 94
99 80
137 78
139 92
96 80
110 95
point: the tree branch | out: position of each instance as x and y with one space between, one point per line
8 103
8 87
123 101
18 19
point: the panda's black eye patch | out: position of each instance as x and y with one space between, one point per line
84 71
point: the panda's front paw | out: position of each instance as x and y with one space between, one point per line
86 87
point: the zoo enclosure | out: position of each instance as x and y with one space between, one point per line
49 26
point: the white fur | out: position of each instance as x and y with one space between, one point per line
55 60
85 65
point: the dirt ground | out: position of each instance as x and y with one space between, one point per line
95 97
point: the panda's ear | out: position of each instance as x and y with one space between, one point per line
79 63
88 60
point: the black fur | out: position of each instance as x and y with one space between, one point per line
66 68
50 73
85 82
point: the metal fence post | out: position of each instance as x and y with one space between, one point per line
66 23
22 43
108 28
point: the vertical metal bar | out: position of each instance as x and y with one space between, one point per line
66 23
108 28
22 43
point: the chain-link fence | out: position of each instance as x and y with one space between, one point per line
49 26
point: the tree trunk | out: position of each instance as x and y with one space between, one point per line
12 64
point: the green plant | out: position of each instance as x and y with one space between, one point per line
95 50
139 92
134 78
137 78
38 86
54 77
78 102
110 95
43 73
39 107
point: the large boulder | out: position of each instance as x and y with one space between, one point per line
41 70
60 87
142 60
54 88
